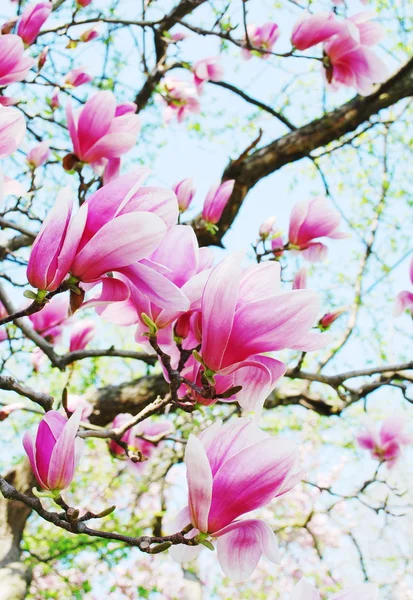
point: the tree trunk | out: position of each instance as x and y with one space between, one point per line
14 575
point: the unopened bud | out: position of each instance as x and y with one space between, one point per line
8 26
161 547
70 161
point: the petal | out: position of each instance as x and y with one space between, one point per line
117 244
391 429
157 200
183 554
271 324
42 265
404 301
305 591
218 309
153 286
240 546
312 341
29 447
259 282
179 252
62 460
199 479
95 119
221 442
249 480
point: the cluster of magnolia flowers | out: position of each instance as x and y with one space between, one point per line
125 253
347 57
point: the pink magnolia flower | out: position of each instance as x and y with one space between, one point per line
180 97
37 358
143 437
310 30
54 100
349 63
12 130
369 31
32 20
89 34
216 200
101 131
305 591
241 322
3 330
55 453
81 334
277 246
300 279
262 38
207 69
404 300
79 402
267 228
328 319
179 36
386 444
12 187
6 410
77 77
233 469
117 226
41 61
38 155
311 220
185 191
8 101
83 3
49 321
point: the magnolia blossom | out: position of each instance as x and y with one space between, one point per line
180 97
305 591
6 410
348 62
233 469
81 334
267 228
404 300
89 34
77 77
3 330
32 20
310 29
49 321
237 324
329 318
83 3
117 226
185 192
207 69
8 101
56 451
216 200
102 131
74 403
54 100
38 155
41 61
12 130
143 437
262 39
300 279
277 246
311 220
386 444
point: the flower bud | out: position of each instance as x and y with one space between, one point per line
185 191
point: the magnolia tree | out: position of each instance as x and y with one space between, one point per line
206 365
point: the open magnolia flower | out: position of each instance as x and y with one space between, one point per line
305 591
233 469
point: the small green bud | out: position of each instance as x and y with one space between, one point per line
153 329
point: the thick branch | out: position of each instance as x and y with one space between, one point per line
301 142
